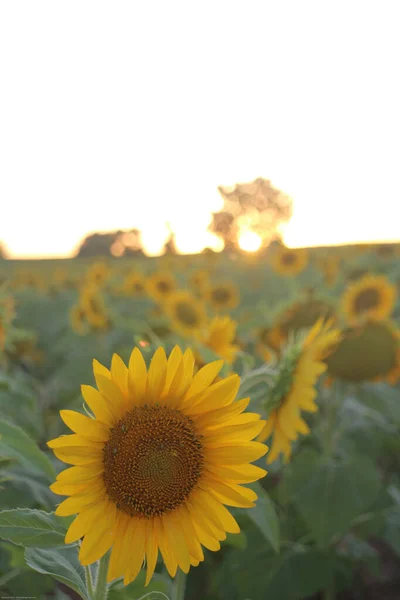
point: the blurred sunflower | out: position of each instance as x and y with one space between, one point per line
302 315
371 296
160 285
223 296
154 467
98 273
294 389
134 284
92 303
186 313
355 274
287 261
330 267
199 280
219 336
77 318
369 351
269 338
386 250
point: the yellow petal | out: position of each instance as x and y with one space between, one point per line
236 433
232 494
119 374
176 542
116 566
204 378
220 416
99 369
138 545
156 376
98 540
222 514
79 474
75 504
81 455
81 424
174 360
168 557
183 378
97 405
68 489
268 427
74 440
183 516
137 377
218 395
237 473
151 550
236 455
113 395
83 522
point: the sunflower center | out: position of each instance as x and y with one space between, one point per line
221 295
138 287
163 287
366 299
186 313
288 259
152 461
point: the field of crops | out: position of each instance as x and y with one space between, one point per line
157 465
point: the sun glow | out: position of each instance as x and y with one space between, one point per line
91 149
250 241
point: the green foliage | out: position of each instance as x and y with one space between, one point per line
33 528
62 564
326 522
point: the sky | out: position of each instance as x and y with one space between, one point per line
125 114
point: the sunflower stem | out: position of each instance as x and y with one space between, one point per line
101 589
178 590
89 582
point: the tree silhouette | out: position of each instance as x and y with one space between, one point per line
255 206
114 243
3 253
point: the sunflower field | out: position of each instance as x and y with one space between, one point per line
208 427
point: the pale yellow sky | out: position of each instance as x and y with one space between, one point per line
130 114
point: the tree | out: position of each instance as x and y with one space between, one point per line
114 243
3 252
255 206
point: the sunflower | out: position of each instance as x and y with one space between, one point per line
160 285
155 465
98 273
369 351
199 280
287 261
93 306
371 296
294 389
330 267
302 315
186 313
223 296
219 336
134 285
386 250
77 317
269 338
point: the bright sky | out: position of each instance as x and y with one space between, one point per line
130 114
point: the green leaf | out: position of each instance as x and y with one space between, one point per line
136 589
62 564
33 528
330 493
265 517
16 444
